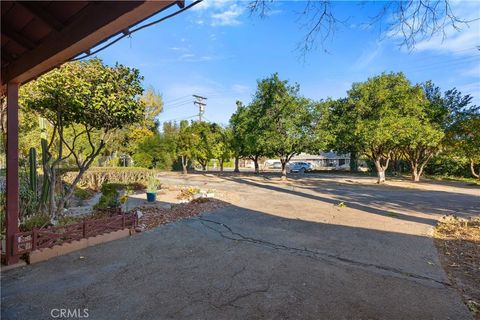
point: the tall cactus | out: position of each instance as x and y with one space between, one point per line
45 159
32 155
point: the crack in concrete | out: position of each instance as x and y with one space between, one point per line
232 278
231 302
313 254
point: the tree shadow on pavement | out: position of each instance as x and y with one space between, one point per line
368 200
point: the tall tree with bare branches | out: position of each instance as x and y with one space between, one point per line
409 20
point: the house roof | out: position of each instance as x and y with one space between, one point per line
37 36
320 156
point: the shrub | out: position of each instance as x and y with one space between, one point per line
95 178
35 221
110 196
187 193
446 165
66 220
153 184
83 194
29 199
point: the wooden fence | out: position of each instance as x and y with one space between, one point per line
25 242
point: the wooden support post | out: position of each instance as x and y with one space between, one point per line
84 229
34 239
12 172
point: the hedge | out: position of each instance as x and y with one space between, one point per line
94 178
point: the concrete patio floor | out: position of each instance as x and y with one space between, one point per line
279 251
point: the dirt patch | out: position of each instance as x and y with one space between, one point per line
458 243
153 217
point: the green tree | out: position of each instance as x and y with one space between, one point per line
89 100
455 114
186 142
224 145
127 139
377 114
283 117
419 142
238 122
153 107
466 141
155 152
249 139
205 140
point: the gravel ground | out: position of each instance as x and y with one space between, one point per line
458 243
153 217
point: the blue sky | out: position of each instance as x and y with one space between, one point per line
219 50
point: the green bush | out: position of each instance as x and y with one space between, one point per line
35 221
110 196
446 165
95 178
83 194
29 199
66 220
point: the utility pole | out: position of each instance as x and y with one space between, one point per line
200 102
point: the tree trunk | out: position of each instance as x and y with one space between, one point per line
255 161
380 172
353 161
52 208
237 160
64 200
184 164
472 168
204 167
221 165
284 168
415 174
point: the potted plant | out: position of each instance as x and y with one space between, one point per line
152 187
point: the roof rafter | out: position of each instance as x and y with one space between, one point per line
17 37
92 25
41 14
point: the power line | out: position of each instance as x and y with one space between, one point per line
128 33
180 98
180 103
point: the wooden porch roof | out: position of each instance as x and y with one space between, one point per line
37 36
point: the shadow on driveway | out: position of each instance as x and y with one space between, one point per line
236 263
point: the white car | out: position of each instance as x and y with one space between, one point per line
300 167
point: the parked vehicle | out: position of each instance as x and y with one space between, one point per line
300 167
276 165
272 164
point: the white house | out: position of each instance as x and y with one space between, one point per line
325 160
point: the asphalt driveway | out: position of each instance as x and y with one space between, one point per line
280 251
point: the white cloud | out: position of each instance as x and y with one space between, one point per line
367 57
229 17
473 71
456 42
186 55
240 88
210 4
459 42
219 12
